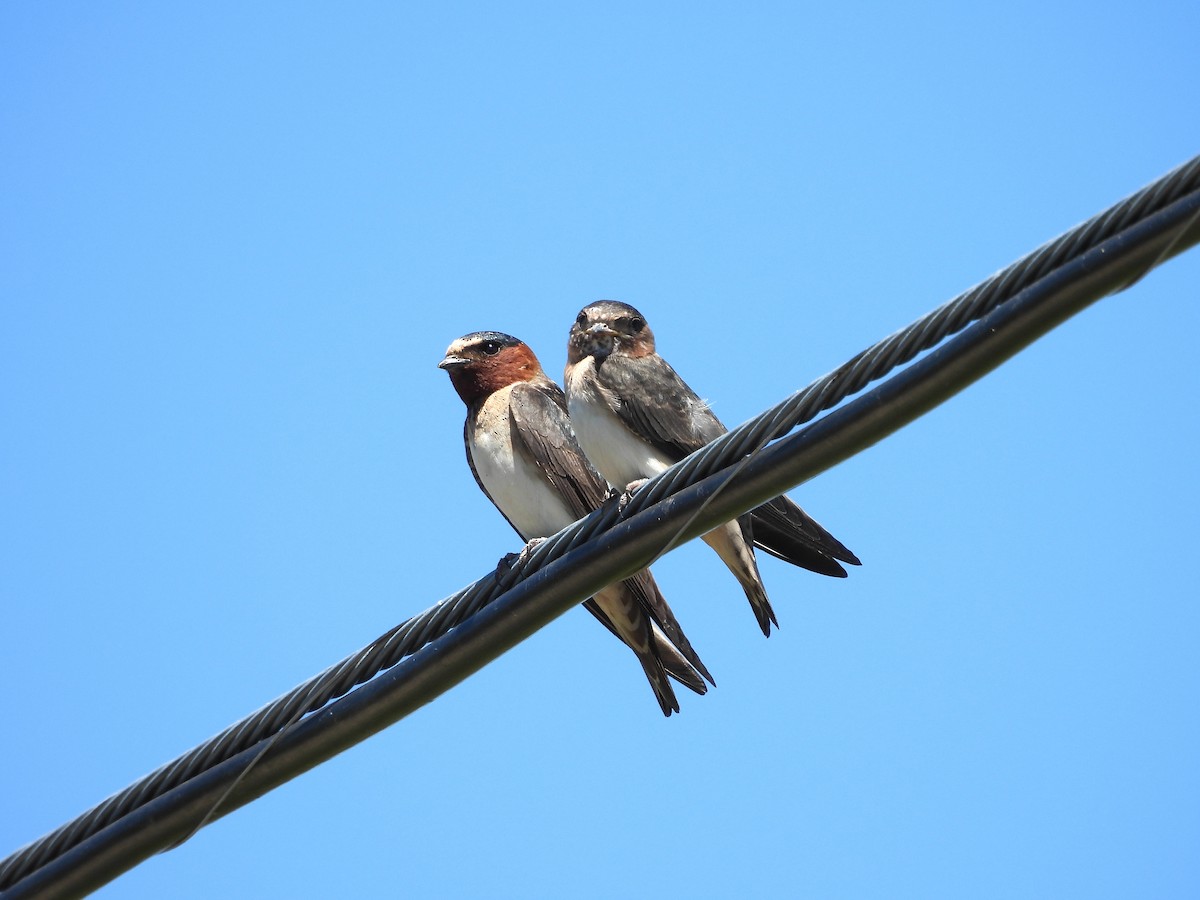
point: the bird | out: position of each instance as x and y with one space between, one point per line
635 417
524 456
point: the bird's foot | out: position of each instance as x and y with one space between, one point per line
621 496
509 561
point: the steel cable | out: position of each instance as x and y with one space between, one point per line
732 449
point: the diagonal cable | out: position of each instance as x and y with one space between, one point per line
404 640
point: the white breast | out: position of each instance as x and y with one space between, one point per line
616 452
515 485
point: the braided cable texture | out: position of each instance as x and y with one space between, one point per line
405 639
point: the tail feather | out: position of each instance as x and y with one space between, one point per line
733 542
628 619
659 683
645 588
676 666
673 661
784 530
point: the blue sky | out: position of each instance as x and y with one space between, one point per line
234 243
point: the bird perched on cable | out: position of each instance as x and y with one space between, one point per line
525 458
635 417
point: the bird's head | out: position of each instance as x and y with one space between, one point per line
609 327
483 362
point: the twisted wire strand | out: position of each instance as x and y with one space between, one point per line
732 448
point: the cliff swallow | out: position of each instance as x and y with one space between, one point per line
635 417
525 458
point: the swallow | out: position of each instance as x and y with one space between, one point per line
525 458
635 417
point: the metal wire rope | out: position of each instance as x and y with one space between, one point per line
731 449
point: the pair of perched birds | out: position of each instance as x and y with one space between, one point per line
535 451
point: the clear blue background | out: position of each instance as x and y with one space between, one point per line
235 241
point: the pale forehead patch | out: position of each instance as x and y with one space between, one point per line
458 345
475 338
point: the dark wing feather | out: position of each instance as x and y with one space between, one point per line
672 660
643 586
784 530
539 414
540 420
541 424
658 405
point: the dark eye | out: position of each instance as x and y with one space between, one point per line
636 324
581 319
491 348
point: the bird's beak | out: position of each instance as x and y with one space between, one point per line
600 328
450 363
